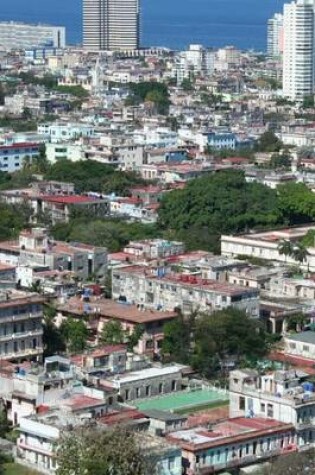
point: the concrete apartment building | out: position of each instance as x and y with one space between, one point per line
285 396
156 288
36 249
265 245
300 344
112 25
298 49
231 444
103 310
12 156
15 35
21 330
275 36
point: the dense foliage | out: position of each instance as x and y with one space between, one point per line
111 233
217 204
89 175
108 452
154 92
209 341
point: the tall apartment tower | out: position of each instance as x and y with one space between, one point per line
298 50
111 25
275 36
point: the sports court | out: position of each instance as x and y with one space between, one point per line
182 400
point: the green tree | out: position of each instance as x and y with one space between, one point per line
75 334
103 452
296 202
299 252
285 248
135 336
269 142
112 333
216 204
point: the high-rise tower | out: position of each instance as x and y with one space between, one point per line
298 50
275 36
112 25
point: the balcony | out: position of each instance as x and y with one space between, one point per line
22 317
21 335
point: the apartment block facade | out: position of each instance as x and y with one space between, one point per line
161 290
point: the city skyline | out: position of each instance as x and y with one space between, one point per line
173 25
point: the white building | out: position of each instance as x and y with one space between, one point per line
59 132
285 396
21 330
15 35
112 25
275 36
301 344
163 290
298 52
265 245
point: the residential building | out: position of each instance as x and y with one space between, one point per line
275 36
59 132
300 344
162 289
298 49
266 245
231 444
21 329
103 310
112 25
36 249
15 35
13 156
285 396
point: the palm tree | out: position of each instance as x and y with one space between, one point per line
299 252
285 248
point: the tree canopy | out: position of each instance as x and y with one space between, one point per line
217 204
89 175
207 341
102 452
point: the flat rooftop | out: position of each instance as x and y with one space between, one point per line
230 431
113 310
144 374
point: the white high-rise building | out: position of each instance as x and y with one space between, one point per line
15 35
298 51
275 36
111 25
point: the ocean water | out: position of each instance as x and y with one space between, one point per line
171 23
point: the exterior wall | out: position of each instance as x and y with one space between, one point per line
21 331
241 245
298 348
12 156
150 387
298 53
166 295
237 454
22 35
55 152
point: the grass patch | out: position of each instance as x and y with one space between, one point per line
17 469
211 405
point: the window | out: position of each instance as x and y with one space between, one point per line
148 390
262 407
270 410
306 348
127 394
160 388
137 392
173 385
242 403
171 463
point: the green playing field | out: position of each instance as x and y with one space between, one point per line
181 400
